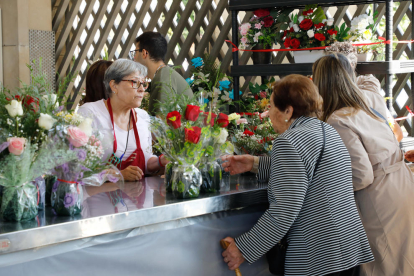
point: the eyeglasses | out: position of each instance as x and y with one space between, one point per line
132 54
138 84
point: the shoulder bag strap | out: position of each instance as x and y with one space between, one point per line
322 150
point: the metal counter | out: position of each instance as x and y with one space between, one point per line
148 204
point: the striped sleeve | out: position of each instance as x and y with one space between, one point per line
288 185
264 168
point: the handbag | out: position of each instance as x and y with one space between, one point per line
276 255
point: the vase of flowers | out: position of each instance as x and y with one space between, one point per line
67 198
260 32
309 30
186 181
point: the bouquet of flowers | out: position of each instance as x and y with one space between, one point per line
311 29
209 80
256 136
262 27
258 99
87 169
363 30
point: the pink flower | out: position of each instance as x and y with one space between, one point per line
241 121
16 145
77 137
263 94
258 26
264 114
244 28
244 41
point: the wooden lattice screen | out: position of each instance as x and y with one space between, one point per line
87 30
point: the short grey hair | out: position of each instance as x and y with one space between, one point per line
120 69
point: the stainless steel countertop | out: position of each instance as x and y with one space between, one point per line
146 204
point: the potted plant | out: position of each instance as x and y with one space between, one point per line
260 32
308 30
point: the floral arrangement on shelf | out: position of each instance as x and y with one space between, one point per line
310 29
255 135
262 27
84 142
363 29
258 99
210 82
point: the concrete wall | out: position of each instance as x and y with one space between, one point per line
18 17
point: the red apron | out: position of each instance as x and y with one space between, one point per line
137 158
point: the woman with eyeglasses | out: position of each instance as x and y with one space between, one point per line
124 125
383 184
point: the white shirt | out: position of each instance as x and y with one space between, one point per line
98 112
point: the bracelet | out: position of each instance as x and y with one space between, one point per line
159 161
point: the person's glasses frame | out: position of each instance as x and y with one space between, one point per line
132 54
137 84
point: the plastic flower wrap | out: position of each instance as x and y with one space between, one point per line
87 169
182 136
254 137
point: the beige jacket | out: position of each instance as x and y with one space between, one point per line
384 191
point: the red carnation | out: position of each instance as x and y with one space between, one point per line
174 119
319 25
262 12
287 42
268 21
320 37
212 118
310 11
192 112
291 30
223 120
332 32
306 24
248 132
246 114
295 43
192 134
256 97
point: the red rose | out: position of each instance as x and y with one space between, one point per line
332 32
256 97
262 12
192 112
306 24
319 25
287 42
255 128
291 30
192 134
310 11
295 43
174 119
284 34
320 37
223 120
212 118
31 103
268 21
248 133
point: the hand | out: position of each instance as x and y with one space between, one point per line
133 189
232 255
132 173
164 161
236 164
409 156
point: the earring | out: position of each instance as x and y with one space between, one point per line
286 120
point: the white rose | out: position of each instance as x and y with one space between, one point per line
296 28
233 116
14 108
221 139
86 126
50 99
300 18
330 21
290 24
310 33
46 121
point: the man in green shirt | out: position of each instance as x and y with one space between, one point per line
150 50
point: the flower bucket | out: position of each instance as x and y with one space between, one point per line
212 177
307 56
20 202
67 198
364 57
186 181
261 57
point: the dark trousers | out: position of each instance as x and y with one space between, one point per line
350 272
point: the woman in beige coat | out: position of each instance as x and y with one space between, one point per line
383 184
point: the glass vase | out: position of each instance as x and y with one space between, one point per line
168 176
19 203
212 177
186 181
66 198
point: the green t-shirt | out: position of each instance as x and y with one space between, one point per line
165 82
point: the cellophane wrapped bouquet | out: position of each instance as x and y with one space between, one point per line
255 136
27 115
87 169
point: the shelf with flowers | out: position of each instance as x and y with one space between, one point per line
258 98
261 31
311 29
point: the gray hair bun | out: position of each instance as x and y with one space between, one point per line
344 48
